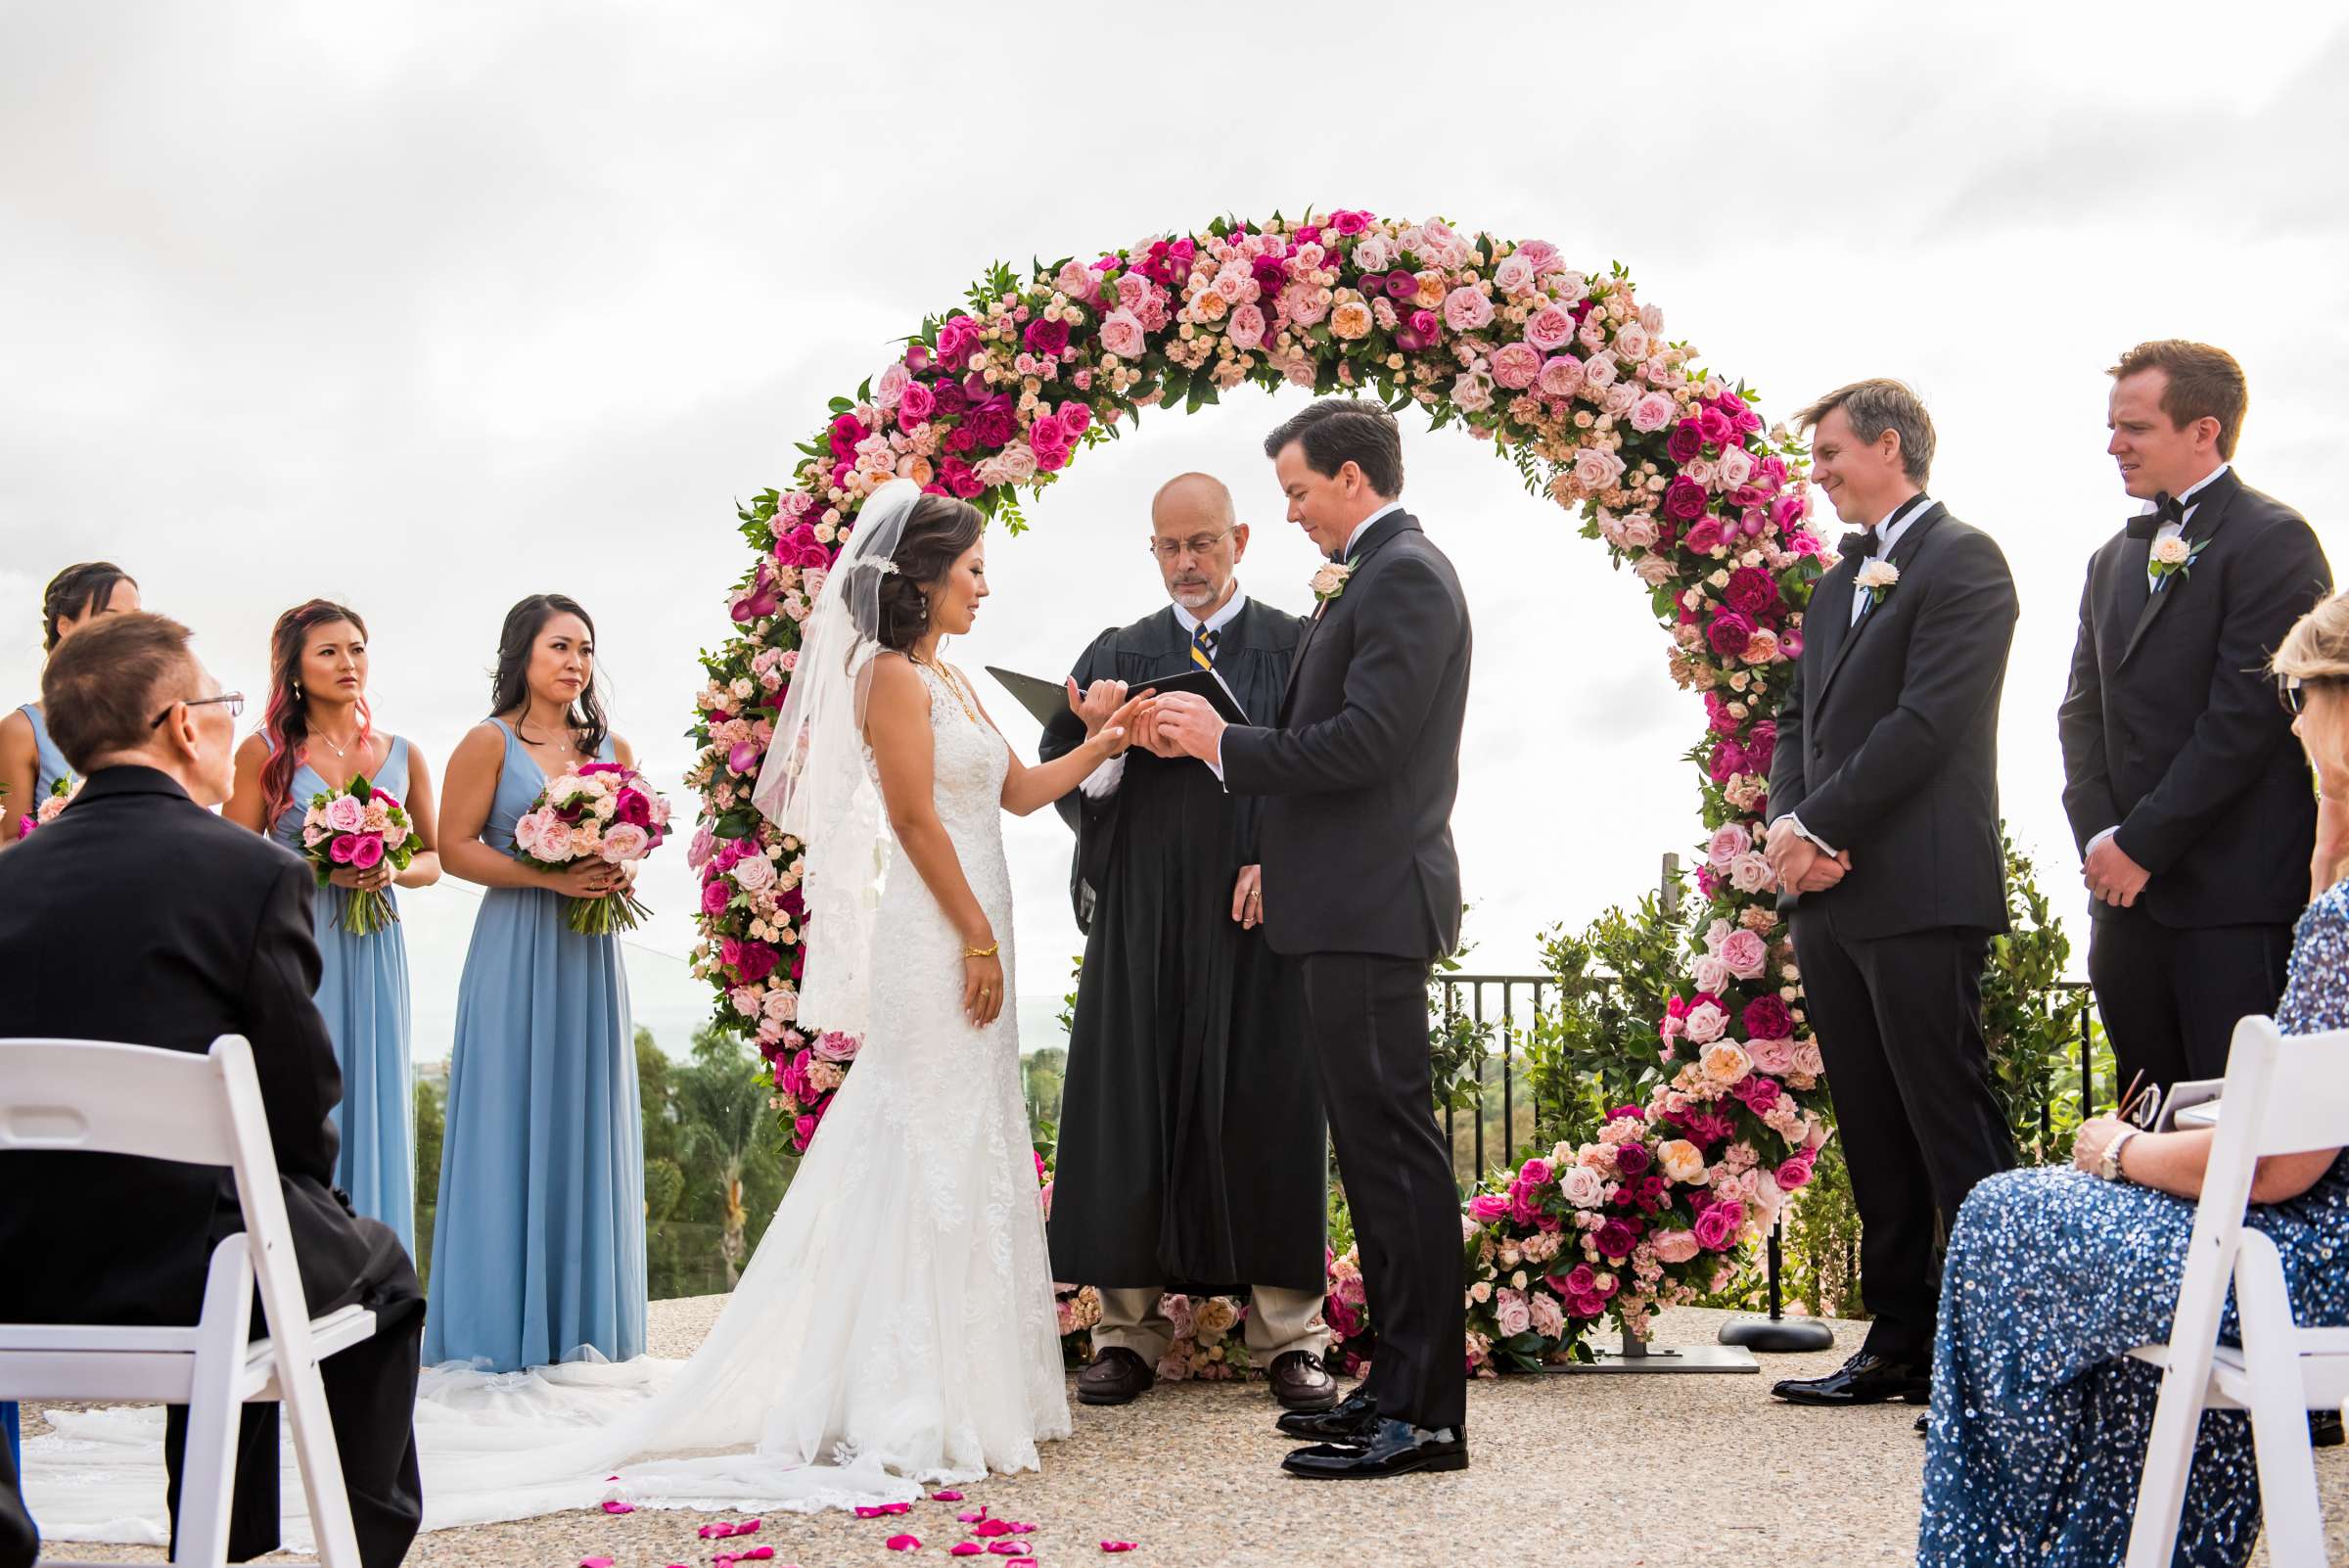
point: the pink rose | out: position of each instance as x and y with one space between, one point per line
754 873
1794 1173
1076 418
1711 974
554 840
1245 328
1651 412
1516 365
1550 1318
1705 1022
1581 1187
1487 1207
1729 839
1718 1226
1536 1171
916 403
346 845
625 842
1549 329
1514 276
1771 1055
1121 333
1465 309
1596 469
1745 953
345 813
1540 255
369 851
1672 1246
1511 1313
716 896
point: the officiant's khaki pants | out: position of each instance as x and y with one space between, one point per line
1280 1320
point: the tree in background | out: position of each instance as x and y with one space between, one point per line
431 1125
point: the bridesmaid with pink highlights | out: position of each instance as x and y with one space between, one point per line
319 735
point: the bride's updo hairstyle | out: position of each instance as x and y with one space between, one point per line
938 530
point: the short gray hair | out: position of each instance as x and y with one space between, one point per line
1875 406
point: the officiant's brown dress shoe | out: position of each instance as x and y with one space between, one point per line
1118 1376
1301 1383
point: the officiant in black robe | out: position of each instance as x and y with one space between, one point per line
1192 1141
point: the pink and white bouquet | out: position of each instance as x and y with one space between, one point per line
61 796
359 826
607 810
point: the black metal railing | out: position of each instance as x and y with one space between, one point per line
1512 1005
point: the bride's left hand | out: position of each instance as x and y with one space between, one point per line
981 989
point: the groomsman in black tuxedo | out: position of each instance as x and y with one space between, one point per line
141 916
1884 836
2194 810
1362 887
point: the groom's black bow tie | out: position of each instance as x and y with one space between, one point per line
1856 545
2167 508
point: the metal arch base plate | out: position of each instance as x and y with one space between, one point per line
1668 1359
1781 1335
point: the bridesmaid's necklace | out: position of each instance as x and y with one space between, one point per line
328 741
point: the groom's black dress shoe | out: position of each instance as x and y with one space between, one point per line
1350 1420
1865 1379
2325 1429
1118 1376
1393 1447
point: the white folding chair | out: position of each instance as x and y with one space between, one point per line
99 1098
2286 1094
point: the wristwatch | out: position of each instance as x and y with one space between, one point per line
2108 1163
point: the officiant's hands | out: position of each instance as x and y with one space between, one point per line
1185 726
1117 731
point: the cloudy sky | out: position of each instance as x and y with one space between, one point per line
427 307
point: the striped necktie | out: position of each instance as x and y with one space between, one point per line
1203 648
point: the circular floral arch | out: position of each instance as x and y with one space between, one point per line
1573 381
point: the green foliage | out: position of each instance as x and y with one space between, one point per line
1593 1046
2032 1022
431 1126
715 1165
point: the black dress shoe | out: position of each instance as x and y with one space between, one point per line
1393 1447
1349 1420
1924 1423
1118 1376
2325 1429
1865 1379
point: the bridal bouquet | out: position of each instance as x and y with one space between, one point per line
61 794
605 810
359 826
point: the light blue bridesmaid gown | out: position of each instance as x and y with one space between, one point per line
48 766
539 1241
363 992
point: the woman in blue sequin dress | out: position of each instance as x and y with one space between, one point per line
2039 1421
317 736
538 1239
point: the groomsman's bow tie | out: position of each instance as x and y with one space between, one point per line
1856 545
2144 525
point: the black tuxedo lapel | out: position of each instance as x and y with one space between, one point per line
1912 540
1380 532
2210 511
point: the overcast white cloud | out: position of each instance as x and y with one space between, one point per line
428 308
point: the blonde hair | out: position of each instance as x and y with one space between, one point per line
2316 652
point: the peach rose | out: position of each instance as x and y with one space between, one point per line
1725 1062
1682 1161
1351 317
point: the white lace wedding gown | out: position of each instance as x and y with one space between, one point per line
895 1327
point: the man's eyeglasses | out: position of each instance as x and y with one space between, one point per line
1196 545
233 700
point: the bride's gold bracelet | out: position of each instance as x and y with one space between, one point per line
983 952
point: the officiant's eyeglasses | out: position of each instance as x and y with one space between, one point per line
233 700
1196 545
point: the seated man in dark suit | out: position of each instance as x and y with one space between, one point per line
140 916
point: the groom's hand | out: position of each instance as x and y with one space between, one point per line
1191 725
1248 898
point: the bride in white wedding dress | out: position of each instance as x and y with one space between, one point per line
895 1326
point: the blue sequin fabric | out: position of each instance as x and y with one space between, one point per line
2039 1424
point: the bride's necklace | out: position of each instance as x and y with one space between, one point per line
953 685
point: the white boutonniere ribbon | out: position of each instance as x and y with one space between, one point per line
1330 580
1876 579
2174 557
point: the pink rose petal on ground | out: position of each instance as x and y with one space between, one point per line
972 1518
1118 1546
757 1555
904 1542
595 1562
946 1497
869 1511
1008 1549
615 1506
747 1527
990 1528
965 1548
1023 1530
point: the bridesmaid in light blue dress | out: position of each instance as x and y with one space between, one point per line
539 1240
30 765
318 735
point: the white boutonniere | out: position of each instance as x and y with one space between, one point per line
1330 580
2174 557
1876 579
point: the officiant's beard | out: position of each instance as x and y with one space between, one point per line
1194 593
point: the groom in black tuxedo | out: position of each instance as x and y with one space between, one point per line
141 916
1885 837
1362 887
2193 808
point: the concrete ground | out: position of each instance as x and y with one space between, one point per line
1610 1471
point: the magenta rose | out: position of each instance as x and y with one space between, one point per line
802 1129
1762 744
1076 418
1768 1018
1615 1239
1350 223
846 434
956 475
632 805
1536 1173
1684 498
1758 1092
1728 633
1794 1173
715 894
991 421
1752 591
1425 324
1717 1226
1487 1207
916 403
1684 442
1704 537
344 847
957 335
1715 427
1727 758
369 850
1631 1159
1045 337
